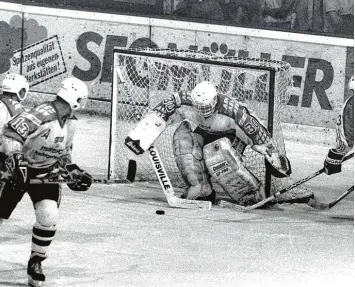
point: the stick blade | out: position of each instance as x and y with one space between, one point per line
175 201
132 169
227 204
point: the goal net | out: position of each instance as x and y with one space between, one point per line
151 75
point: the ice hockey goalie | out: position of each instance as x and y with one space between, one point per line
209 142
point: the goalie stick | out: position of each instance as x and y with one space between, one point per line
167 187
160 170
297 183
313 202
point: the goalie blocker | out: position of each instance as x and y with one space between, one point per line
145 133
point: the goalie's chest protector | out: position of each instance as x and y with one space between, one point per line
222 122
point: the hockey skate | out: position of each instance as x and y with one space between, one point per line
211 197
34 270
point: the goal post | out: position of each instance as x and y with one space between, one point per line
152 75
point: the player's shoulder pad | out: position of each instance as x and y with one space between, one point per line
44 112
227 106
185 98
14 107
27 122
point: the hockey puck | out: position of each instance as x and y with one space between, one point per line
160 212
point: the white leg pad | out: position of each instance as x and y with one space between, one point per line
189 159
226 166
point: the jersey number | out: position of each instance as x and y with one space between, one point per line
20 126
339 120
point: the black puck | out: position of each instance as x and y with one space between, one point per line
160 212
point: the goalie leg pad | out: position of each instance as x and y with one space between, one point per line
226 166
189 159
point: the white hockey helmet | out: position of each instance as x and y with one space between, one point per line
351 83
17 85
74 92
204 98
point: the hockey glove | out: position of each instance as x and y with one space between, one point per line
17 167
84 180
332 163
278 164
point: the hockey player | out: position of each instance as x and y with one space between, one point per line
38 144
14 91
344 135
210 141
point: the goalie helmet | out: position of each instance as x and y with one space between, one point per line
351 83
204 98
17 85
74 92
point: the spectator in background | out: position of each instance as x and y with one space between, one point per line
202 9
243 12
339 17
293 12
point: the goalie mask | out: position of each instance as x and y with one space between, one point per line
204 98
74 92
15 84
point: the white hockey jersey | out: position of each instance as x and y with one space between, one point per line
231 119
46 134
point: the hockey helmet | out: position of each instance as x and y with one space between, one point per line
351 83
204 98
74 92
17 85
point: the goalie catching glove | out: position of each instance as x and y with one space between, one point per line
277 163
84 180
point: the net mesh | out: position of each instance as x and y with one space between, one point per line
152 75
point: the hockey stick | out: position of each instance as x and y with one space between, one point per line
297 183
131 173
228 204
160 170
132 169
322 206
167 187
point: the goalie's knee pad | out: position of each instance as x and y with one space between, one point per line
225 165
47 213
189 159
